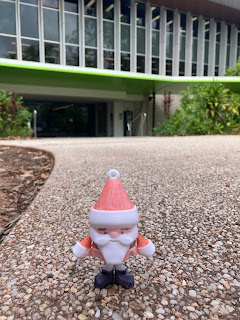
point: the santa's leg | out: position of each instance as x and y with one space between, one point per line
122 277
104 278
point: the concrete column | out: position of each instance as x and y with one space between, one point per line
81 34
162 49
100 34
133 35
117 36
201 43
176 42
233 46
62 33
18 32
223 49
188 48
212 48
148 42
41 33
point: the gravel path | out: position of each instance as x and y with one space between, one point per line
187 193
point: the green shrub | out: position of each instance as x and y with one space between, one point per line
235 71
206 108
14 117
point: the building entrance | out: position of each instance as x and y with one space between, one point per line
64 119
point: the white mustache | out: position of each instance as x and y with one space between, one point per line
123 239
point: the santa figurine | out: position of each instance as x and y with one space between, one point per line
113 234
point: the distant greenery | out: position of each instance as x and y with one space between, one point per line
206 108
14 117
235 71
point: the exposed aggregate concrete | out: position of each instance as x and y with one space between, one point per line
186 190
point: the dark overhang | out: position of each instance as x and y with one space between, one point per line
205 8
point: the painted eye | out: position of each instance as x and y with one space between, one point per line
104 232
122 232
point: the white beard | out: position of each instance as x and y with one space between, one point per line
114 249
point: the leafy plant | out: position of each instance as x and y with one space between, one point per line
206 108
14 117
235 71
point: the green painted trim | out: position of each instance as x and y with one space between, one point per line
90 79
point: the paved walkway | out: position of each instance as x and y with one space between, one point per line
187 193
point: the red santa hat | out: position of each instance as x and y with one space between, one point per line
113 208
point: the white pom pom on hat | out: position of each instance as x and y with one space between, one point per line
113 208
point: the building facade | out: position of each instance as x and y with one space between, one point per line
117 37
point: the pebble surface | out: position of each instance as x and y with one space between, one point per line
186 190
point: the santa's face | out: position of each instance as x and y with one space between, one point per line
114 242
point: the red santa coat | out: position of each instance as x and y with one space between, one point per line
140 246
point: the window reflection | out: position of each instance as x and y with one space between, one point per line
51 25
72 56
155 65
30 50
52 53
169 26
108 60
29 27
108 35
51 4
125 11
168 67
71 28
108 9
91 58
141 14
125 62
181 68
8 48
156 18
71 5
7 18
30 1
141 64
90 8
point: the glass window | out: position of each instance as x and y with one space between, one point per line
216 71
169 45
218 31
108 60
125 38
229 34
228 56
155 18
51 3
168 67
7 18
206 51
140 64
52 53
30 1
71 5
141 40
108 35
90 32
125 61
238 52
181 68
125 11
155 66
141 14
205 70
183 22
207 26
71 28
8 48
30 50
195 27
238 37
169 26
29 27
72 56
51 25
194 50
108 9
194 69
217 54
182 47
90 8
155 43
91 58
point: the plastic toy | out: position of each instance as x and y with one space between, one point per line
113 234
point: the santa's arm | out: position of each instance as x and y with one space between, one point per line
145 247
82 248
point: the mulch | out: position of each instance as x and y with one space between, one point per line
23 171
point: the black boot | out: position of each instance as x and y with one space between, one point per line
103 279
124 279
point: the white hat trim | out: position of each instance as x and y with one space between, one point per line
108 219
